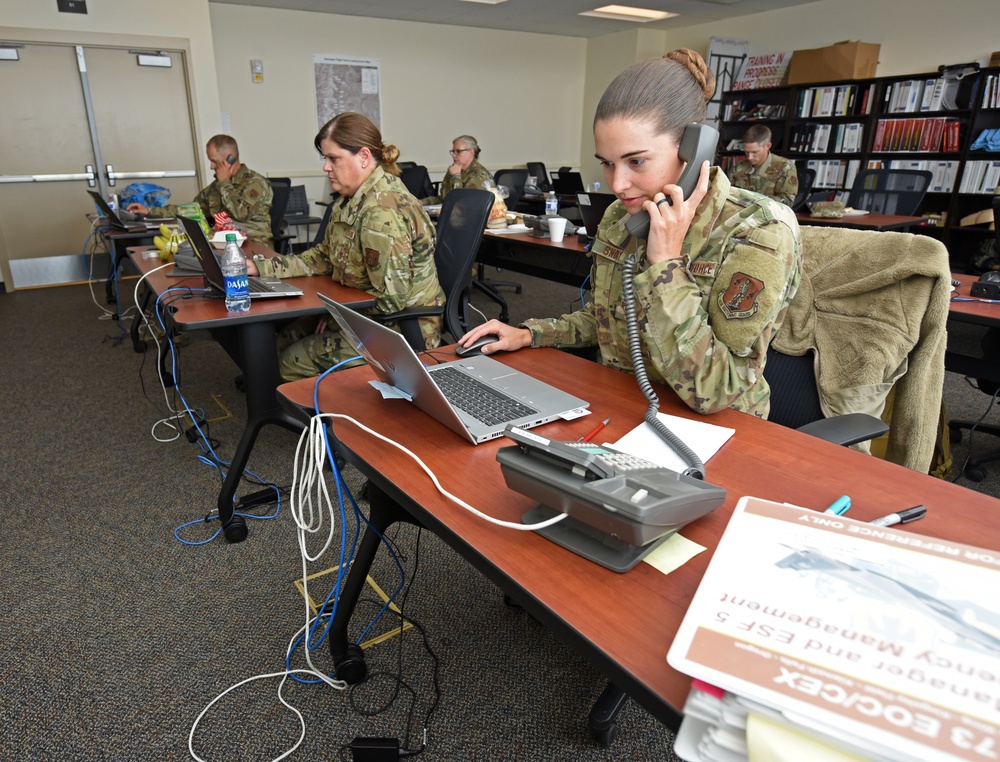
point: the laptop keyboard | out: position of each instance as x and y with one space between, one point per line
258 286
475 398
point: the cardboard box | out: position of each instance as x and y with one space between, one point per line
994 59
842 60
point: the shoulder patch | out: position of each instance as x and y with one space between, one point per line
739 300
372 258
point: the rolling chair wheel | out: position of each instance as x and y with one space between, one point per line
139 347
236 529
975 473
954 435
605 735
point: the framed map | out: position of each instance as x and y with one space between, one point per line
347 84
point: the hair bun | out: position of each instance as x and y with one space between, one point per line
389 153
694 63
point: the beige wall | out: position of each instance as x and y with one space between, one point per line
526 97
520 95
179 24
915 36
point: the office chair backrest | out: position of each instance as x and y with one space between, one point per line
405 164
464 213
297 202
536 169
794 396
417 181
889 191
513 180
806 179
281 188
321 233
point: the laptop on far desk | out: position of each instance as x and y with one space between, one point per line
592 209
125 220
260 287
476 397
567 183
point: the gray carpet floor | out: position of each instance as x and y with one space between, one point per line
117 634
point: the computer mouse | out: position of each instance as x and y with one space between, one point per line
476 348
990 276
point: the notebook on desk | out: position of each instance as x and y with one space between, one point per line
476 397
260 287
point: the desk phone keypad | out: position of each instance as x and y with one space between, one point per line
621 462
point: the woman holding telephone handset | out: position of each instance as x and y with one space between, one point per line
716 269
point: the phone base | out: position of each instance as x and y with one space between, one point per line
592 544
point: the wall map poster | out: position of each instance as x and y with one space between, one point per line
347 84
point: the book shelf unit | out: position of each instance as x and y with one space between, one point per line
901 122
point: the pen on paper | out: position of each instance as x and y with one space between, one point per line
596 430
840 506
901 517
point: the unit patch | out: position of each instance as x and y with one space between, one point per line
372 258
739 300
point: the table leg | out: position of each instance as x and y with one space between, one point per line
348 658
257 356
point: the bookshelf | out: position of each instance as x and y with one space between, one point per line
916 121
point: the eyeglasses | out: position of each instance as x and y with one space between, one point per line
456 151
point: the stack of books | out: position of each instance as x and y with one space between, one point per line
867 639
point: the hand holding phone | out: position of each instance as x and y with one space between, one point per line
698 144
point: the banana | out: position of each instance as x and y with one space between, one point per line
161 242
166 231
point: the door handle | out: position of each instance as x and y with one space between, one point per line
152 175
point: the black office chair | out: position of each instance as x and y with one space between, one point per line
406 164
536 169
417 181
974 351
281 187
297 210
806 179
889 191
513 180
460 228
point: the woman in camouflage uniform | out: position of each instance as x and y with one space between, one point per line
465 170
717 272
379 239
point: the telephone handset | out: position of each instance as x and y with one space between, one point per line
230 160
618 505
698 144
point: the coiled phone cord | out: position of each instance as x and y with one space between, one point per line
695 467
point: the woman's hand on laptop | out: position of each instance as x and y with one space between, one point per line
509 338
137 208
252 270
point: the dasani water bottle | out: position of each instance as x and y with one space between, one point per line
234 269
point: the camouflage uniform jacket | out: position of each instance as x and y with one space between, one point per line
476 176
705 320
381 241
246 198
776 178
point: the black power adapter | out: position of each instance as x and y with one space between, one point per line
375 749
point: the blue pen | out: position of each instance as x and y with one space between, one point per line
840 506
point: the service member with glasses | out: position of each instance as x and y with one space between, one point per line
465 170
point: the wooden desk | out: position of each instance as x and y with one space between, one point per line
565 262
984 313
250 339
623 624
864 221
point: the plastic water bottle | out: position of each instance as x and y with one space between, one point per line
551 204
234 269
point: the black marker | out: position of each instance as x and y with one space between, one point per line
902 517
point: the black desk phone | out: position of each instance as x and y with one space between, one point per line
620 507
698 144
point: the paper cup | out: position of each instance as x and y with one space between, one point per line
557 228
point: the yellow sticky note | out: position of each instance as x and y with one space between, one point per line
673 554
769 741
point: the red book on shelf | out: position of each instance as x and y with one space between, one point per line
879 135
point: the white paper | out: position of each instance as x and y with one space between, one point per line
704 438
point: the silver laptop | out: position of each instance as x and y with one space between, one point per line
476 397
126 220
261 287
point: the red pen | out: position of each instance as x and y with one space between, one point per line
597 430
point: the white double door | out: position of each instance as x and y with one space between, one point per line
77 118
